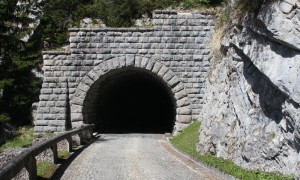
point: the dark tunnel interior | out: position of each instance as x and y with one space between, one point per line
130 101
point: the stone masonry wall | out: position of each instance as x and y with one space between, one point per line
179 41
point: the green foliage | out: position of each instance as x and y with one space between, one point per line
58 16
18 58
4 118
252 6
63 154
223 18
45 169
194 3
199 3
187 141
23 138
122 13
116 13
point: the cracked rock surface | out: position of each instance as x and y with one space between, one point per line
251 112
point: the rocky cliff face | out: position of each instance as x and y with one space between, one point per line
252 104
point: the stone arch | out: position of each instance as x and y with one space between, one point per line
183 109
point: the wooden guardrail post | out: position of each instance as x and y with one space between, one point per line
69 139
82 139
30 166
85 136
55 153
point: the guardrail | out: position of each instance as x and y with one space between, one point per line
27 158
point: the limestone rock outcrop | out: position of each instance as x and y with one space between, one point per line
251 111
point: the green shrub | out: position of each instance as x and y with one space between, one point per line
4 118
45 169
223 18
63 154
194 3
252 6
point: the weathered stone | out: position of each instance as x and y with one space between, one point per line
150 64
252 96
184 110
163 70
57 123
76 117
61 104
49 117
129 60
174 81
88 81
277 24
49 104
49 129
181 94
83 87
76 108
38 128
154 40
57 110
61 128
168 76
156 67
43 110
44 97
77 101
184 119
59 91
95 75
144 63
138 60
178 88
183 102
132 39
41 123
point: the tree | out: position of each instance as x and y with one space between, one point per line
19 53
114 13
58 16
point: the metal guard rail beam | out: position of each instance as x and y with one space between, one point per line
27 158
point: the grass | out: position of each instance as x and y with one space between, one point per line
249 6
223 18
23 138
187 141
45 169
63 154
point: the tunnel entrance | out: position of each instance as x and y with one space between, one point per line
130 100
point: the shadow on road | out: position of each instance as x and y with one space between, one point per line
65 163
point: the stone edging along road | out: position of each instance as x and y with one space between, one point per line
189 160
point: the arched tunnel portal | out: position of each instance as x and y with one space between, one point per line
130 100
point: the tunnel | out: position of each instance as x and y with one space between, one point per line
130 100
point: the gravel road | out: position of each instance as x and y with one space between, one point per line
134 157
